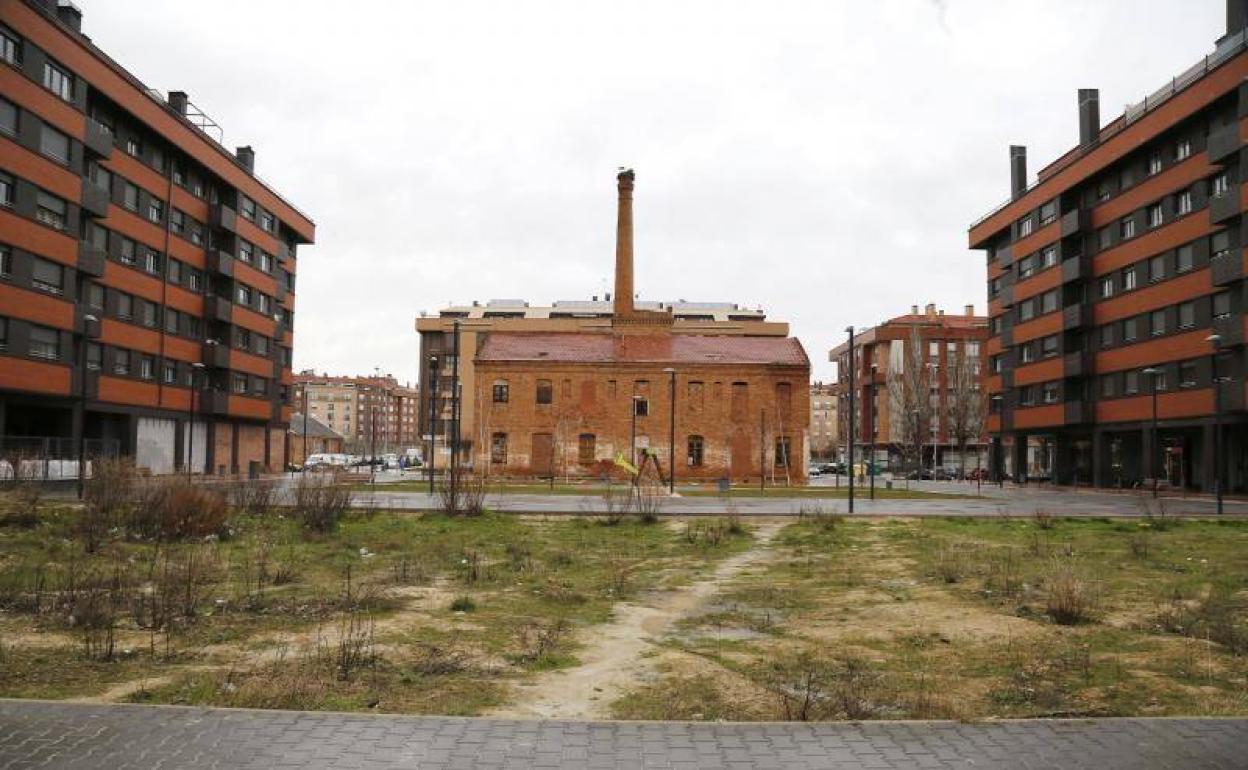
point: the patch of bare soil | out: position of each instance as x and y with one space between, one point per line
620 654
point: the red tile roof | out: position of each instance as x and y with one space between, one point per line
572 347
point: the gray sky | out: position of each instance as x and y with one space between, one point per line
820 159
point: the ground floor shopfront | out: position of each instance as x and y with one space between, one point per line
1180 454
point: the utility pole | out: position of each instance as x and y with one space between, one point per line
455 407
850 419
81 421
671 434
1216 339
871 437
433 417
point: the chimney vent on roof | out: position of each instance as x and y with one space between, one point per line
247 157
930 310
69 14
1089 116
970 310
1018 170
178 100
914 310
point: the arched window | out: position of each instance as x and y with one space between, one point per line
693 456
498 449
587 447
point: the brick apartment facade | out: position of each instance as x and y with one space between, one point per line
367 411
146 274
825 433
566 400
879 352
1126 256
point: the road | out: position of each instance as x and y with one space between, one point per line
68 736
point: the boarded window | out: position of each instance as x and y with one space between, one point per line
542 459
545 392
498 449
693 456
694 393
784 399
586 448
565 390
740 400
611 389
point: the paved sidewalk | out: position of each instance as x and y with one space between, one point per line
61 735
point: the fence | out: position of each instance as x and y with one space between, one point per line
50 458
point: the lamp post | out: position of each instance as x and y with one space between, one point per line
455 408
671 432
303 466
1216 340
87 320
871 411
433 417
196 368
632 442
1152 373
850 331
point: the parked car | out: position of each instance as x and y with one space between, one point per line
922 474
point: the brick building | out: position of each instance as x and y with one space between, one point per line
825 433
880 352
566 402
146 273
370 412
1120 271
309 437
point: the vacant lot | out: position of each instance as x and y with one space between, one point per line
899 492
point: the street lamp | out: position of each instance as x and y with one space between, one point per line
850 331
632 452
87 320
871 411
1152 373
1216 340
196 368
671 433
433 416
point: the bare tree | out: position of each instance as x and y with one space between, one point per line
909 398
965 404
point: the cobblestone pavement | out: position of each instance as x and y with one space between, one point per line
61 735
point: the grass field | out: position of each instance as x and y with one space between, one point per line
739 491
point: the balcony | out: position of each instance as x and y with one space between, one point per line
1005 256
94 199
1007 336
214 402
91 259
1074 269
1075 316
221 262
218 309
1073 222
1077 364
1078 412
1226 267
215 356
280 293
1225 206
1006 296
223 217
1230 328
97 138
1223 143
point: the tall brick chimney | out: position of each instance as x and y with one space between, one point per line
624 244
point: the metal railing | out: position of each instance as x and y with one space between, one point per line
1133 112
49 458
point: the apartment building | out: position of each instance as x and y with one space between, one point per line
147 274
1116 284
369 412
948 367
824 420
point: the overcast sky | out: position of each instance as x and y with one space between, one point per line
822 160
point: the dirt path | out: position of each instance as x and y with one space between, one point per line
620 654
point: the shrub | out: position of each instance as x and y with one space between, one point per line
175 508
462 493
255 498
811 688
1070 598
321 501
463 604
1044 519
107 496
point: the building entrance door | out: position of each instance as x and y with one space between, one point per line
542 460
739 461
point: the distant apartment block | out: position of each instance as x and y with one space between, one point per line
367 411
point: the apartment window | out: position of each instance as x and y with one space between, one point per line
151 262
177 222
1027 352
1024 227
54 144
171 372
262 345
1125 178
498 448
58 81
1103 190
1158 381
1219 185
266 262
1128 279
1107 287
47 276
545 392
45 343
1107 386
1050 392
586 448
1048 302
127 255
196 233
1049 346
996 364
1048 256
1220 243
997 323
171 320
245 251
6 261
1183 149
267 222
1127 228
158 159
50 210
149 313
8 117
95 356
242 338
1184 202
502 392
1130 329
248 207
1155 215
238 383
1104 238
259 386
175 271
994 287
194 280
1107 336
265 303
242 295
101 177
1184 259
1027 395
1187 374
1154 163
1026 267
1131 383
155 210
1221 304
95 296
1157 322
130 196
1156 268
121 363
10 49
1187 315
133 146
125 306
6 189
1027 310
1048 213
